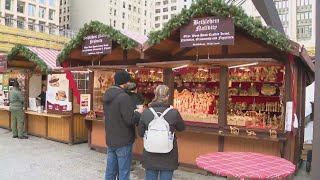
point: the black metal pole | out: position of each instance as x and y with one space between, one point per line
315 175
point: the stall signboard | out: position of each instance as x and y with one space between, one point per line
58 93
96 44
5 82
85 101
207 31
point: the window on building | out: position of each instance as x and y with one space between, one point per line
68 17
8 20
145 22
145 3
52 3
134 9
68 9
64 10
173 8
114 23
145 12
158 3
129 7
65 2
31 24
52 28
165 9
122 25
51 14
60 11
145 32
304 31
9 4
173 1
185 6
157 18
20 6
110 11
42 1
60 20
82 80
60 2
115 12
123 15
20 22
185 0
64 18
158 10
157 25
124 5
42 12
165 17
42 26
165 2
31 10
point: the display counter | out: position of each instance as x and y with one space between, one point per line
5 121
64 128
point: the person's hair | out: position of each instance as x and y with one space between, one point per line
161 94
43 85
15 84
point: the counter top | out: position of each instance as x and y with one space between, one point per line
48 114
4 108
93 119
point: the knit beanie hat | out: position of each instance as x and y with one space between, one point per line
121 77
132 86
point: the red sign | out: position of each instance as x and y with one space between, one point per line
96 44
207 31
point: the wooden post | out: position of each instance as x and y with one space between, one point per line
168 79
315 175
91 87
223 103
71 129
288 97
26 98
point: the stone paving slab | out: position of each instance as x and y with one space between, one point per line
41 159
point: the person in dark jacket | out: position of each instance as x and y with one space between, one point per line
120 120
42 96
137 99
178 83
157 163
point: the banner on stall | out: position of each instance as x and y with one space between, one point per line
96 44
58 93
207 31
5 82
85 103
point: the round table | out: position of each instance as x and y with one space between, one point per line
246 165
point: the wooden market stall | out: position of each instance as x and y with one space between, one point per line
245 82
58 121
79 55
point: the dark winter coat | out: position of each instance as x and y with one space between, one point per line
166 161
120 118
137 99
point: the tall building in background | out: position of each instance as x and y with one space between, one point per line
34 15
167 9
133 15
297 17
64 14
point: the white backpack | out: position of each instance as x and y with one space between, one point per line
158 138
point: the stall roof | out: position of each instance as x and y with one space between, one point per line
127 40
218 8
45 59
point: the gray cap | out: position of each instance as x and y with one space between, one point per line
132 86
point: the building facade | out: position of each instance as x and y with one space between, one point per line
167 9
34 15
64 14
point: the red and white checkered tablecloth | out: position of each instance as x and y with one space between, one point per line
246 165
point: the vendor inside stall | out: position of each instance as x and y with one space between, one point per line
179 86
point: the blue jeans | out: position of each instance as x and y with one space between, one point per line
153 174
119 163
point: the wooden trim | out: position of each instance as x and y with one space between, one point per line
168 79
171 64
223 97
239 60
71 125
288 97
91 87
47 114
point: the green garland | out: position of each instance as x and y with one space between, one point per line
96 27
28 54
219 8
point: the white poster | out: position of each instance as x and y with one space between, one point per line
288 122
58 93
85 103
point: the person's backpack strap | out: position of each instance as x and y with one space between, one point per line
166 111
154 112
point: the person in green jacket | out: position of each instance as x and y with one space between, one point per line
17 113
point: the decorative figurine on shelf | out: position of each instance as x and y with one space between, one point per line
91 115
251 133
220 131
273 133
234 130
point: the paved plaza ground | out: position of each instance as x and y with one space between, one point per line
41 159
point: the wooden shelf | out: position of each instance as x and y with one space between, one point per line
256 82
257 96
48 114
94 119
